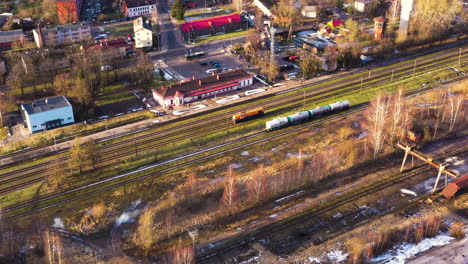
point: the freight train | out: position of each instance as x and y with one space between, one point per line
244 116
300 117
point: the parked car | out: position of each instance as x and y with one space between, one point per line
214 62
106 68
203 63
210 71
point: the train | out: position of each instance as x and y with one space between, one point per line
300 117
247 115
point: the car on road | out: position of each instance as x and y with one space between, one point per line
203 63
214 62
210 71
217 65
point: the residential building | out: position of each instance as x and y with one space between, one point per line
197 89
309 11
109 48
7 38
211 26
361 5
143 32
134 8
68 11
48 113
60 35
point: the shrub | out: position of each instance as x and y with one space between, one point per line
457 230
98 210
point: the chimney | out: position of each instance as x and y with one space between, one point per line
199 82
47 100
193 77
212 74
217 77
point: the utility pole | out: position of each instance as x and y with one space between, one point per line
414 69
361 86
304 103
459 57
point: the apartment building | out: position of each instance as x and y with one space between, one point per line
61 35
143 32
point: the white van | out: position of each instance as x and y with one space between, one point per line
210 71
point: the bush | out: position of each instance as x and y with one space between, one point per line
457 230
98 210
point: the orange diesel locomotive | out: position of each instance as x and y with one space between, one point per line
243 116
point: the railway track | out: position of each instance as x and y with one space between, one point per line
173 164
112 154
312 215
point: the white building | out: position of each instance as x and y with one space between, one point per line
60 35
361 5
134 8
45 114
143 32
309 11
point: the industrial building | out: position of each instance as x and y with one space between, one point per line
197 89
48 113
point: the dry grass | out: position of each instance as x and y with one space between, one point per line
457 230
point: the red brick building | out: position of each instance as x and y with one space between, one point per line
68 11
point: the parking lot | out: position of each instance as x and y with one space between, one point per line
215 60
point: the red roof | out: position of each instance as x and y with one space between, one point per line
210 22
454 187
109 44
216 88
337 22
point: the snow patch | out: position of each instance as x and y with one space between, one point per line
405 251
287 197
337 256
236 165
226 99
129 216
362 134
405 191
255 159
244 153
254 91
314 260
58 223
273 216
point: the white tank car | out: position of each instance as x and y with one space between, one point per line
339 105
276 123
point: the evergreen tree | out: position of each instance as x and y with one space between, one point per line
177 10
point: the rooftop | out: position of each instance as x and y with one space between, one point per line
108 44
210 22
140 23
201 84
65 27
44 105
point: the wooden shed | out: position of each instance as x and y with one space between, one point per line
453 187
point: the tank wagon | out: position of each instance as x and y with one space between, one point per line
244 116
300 117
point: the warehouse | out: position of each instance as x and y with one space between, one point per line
47 113
197 89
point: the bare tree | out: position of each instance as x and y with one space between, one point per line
455 110
62 83
439 113
144 70
181 255
168 221
16 78
397 112
191 183
288 15
376 115
393 12
229 198
80 153
238 5
256 186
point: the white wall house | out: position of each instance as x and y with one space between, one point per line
309 11
134 8
47 114
60 35
143 32
361 5
140 10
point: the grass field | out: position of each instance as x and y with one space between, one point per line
223 36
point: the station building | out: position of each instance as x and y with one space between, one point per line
45 114
198 89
